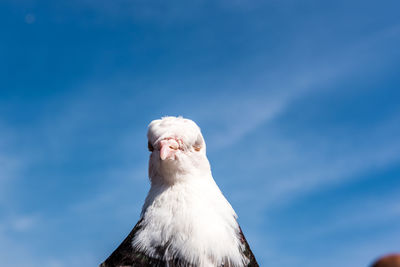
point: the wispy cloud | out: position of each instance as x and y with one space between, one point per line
12 164
10 249
321 167
241 111
120 184
366 212
24 223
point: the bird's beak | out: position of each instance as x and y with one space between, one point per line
168 148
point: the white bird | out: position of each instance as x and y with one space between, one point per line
185 220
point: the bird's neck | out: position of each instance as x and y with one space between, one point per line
167 175
193 220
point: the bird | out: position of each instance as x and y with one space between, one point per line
185 220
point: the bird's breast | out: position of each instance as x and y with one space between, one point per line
193 221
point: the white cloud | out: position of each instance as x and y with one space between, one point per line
240 111
12 164
319 167
24 223
19 252
364 212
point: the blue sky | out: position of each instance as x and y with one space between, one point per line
298 102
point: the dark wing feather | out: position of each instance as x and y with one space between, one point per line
127 256
247 251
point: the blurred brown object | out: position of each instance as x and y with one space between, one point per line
392 260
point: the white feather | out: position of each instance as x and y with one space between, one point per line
184 209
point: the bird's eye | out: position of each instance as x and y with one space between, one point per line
198 144
150 147
197 148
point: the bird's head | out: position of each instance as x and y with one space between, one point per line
177 150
